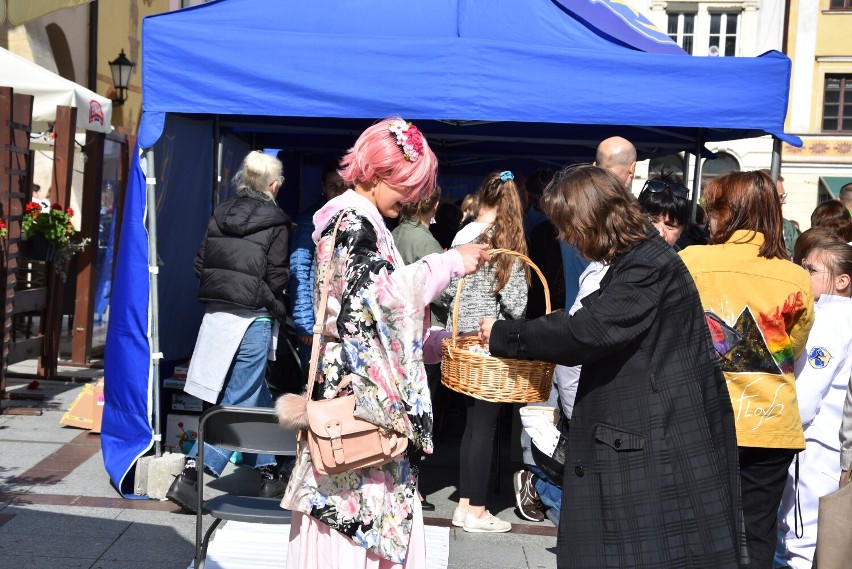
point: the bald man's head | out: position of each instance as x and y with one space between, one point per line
617 155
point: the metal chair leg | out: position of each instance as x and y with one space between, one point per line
201 555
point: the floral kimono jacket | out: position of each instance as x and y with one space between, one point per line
373 336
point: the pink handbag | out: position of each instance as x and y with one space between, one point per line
338 441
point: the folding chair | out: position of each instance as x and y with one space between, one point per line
244 429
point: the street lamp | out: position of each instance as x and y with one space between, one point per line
121 67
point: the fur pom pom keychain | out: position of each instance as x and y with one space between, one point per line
292 411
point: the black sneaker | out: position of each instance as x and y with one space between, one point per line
285 466
184 488
527 499
271 483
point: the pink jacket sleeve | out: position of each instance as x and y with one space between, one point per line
432 344
441 268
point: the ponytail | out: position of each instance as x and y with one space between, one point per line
499 191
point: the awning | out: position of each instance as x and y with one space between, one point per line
94 112
832 184
22 11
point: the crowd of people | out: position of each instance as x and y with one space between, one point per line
703 368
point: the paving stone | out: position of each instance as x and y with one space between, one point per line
70 522
166 547
88 479
177 563
30 562
44 544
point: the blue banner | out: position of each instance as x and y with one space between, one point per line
622 23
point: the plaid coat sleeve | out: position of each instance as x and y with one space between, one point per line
651 476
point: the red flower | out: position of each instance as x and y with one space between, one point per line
56 206
33 385
33 206
415 138
2 225
70 212
180 424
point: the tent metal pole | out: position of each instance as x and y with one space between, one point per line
153 270
217 168
775 169
696 175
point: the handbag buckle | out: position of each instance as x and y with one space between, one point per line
335 433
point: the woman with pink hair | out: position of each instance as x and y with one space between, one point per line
374 345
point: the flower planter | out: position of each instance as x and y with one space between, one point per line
38 248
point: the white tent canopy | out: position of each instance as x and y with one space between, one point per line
94 112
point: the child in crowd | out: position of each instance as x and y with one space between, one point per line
822 379
498 289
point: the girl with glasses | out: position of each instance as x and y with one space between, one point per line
823 372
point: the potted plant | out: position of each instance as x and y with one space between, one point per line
50 234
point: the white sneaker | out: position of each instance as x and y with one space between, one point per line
459 516
489 524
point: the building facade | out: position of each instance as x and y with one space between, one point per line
820 44
718 28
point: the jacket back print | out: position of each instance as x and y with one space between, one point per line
760 312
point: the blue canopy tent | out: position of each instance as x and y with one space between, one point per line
486 80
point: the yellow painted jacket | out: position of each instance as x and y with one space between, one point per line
760 312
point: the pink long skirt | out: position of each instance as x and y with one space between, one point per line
313 544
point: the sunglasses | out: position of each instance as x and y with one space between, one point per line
657 186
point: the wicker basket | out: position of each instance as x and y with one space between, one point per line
488 377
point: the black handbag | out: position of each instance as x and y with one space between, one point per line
553 465
285 374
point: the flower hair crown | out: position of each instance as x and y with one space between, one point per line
408 138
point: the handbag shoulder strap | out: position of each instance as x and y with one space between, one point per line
319 316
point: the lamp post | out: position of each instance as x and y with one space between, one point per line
121 68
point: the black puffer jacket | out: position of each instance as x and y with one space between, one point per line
243 258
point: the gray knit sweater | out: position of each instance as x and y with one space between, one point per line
477 298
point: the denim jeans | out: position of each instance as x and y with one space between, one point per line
245 386
550 494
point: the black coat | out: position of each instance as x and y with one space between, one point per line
651 475
243 259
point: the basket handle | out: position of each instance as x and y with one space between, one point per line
522 257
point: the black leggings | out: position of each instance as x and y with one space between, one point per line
763 472
477 446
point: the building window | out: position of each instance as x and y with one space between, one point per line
681 28
723 33
841 4
722 164
837 104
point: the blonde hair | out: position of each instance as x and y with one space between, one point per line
255 173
